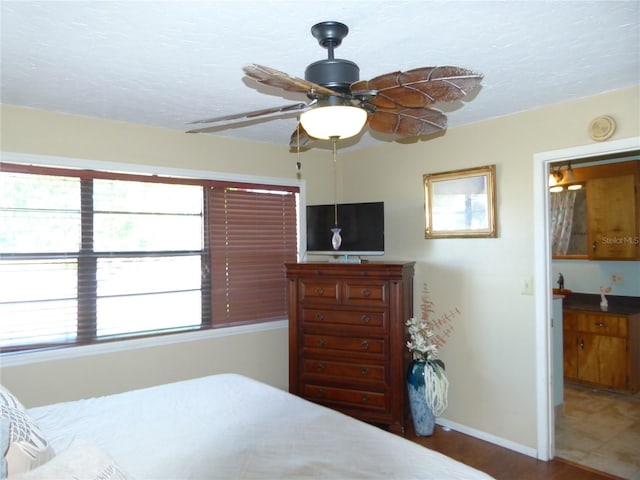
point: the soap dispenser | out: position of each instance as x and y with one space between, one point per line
604 305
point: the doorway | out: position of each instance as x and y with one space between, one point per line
544 282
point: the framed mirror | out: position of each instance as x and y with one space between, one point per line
460 203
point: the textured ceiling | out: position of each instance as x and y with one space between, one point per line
164 63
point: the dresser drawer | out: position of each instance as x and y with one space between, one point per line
313 290
602 324
372 320
353 346
362 292
347 397
329 370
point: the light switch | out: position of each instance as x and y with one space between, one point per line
526 285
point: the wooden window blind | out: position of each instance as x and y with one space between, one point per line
253 232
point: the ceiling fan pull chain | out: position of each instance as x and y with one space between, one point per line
336 238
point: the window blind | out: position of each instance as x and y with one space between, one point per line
97 256
253 233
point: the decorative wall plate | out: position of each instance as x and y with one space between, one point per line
602 128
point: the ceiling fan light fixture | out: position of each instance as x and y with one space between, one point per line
341 121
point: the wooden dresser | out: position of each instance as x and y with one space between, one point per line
347 337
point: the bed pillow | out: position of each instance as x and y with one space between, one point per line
27 447
82 460
4 445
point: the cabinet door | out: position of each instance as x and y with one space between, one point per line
570 344
570 355
602 360
612 217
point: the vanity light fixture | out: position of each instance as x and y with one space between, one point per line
555 177
566 178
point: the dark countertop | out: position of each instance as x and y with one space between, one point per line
590 302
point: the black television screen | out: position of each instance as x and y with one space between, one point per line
361 224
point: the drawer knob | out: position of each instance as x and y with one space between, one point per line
321 393
601 324
321 342
319 317
366 293
364 371
365 397
365 345
365 318
320 367
319 290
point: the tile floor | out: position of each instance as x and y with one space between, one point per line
601 430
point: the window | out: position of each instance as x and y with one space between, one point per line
88 256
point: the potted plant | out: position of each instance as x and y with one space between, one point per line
427 383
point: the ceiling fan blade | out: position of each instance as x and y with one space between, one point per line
408 122
255 113
300 137
419 87
266 114
278 79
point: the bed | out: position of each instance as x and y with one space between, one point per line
223 426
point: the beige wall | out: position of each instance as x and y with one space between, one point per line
490 357
44 133
262 355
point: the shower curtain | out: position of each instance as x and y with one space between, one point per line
562 204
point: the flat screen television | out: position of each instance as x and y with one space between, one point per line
361 224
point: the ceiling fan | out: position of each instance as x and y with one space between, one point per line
340 104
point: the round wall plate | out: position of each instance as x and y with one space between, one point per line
602 128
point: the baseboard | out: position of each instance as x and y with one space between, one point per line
588 469
487 437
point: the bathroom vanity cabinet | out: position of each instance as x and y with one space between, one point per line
602 349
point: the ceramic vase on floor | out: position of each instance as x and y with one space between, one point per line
423 418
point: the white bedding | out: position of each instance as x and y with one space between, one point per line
229 426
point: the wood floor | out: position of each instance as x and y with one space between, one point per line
502 463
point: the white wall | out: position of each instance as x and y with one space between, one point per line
491 357
588 276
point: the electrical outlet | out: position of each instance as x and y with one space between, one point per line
617 279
